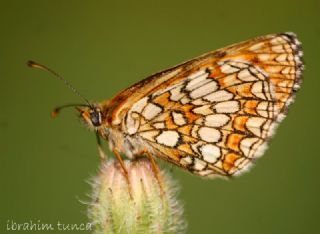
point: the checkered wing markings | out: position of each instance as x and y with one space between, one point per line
218 119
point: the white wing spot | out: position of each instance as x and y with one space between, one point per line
196 74
199 164
176 93
196 80
203 110
210 153
138 106
216 120
257 90
185 100
199 102
198 84
231 80
159 125
149 135
219 96
246 144
194 131
209 134
151 110
204 90
245 75
169 138
226 68
262 109
178 119
227 107
254 124
185 161
199 121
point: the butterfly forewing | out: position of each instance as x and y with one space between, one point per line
214 114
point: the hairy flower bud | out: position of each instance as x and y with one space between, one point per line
147 210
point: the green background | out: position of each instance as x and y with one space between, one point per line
103 47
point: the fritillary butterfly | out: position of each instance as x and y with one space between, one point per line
212 115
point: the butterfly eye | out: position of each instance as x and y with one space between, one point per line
95 116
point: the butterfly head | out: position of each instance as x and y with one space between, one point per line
92 116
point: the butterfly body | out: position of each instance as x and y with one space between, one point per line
212 115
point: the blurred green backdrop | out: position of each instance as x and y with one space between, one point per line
103 47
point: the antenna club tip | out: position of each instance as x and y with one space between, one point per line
54 113
30 63
33 64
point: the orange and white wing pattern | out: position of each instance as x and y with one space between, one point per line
213 115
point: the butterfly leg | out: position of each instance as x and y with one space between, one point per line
125 172
156 172
102 155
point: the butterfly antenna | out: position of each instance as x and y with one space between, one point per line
42 67
56 110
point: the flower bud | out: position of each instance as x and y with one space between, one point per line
147 210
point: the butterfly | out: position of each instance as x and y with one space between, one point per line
212 115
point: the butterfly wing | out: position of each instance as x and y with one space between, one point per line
213 115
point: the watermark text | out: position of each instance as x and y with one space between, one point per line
38 225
